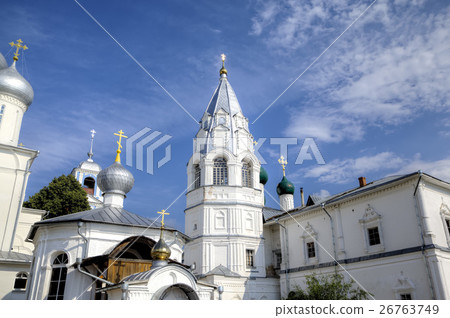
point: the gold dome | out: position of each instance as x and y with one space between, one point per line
161 251
223 70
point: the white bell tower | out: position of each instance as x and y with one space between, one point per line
225 198
16 95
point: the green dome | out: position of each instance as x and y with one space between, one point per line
285 187
263 176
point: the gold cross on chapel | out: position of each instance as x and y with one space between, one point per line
163 213
18 46
283 164
120 134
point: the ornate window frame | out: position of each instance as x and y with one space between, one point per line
404 286
19 281
310 236
219 220
246 173
445 216
370 220
220 172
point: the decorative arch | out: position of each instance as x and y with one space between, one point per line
134 247
179 291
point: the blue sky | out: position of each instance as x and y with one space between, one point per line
376 102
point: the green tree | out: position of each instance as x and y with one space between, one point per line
328 287
64 195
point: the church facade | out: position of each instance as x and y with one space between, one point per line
391 236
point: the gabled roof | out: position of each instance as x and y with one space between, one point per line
222 271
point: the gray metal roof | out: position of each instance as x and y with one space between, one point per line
224 98
15 257
110 215
269 213
222 271
353 192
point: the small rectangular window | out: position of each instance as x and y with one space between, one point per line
277 259
21 281
405 297
374 236
2 110
447 221
311 249
250 258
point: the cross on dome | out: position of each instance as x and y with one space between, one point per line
283 164
18 46
120 134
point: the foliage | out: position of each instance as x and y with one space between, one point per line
328 287
63 195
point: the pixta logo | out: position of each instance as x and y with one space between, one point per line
150 142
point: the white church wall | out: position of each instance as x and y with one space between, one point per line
9 271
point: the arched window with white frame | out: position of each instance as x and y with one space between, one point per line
58 278
220 172
246 175
20 283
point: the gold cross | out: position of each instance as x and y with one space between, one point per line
283 163
21 145
255 142
223 57
163 213
120 134
18 46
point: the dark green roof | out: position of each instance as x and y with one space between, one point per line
263 176
285 187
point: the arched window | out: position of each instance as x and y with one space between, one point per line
197 176
220 173
246 175
58 279
21 281
89 185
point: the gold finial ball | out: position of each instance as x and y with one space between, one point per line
223 70
161 251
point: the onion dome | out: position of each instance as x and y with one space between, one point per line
14 85
285 187
161 251
115 179
263 176
3 63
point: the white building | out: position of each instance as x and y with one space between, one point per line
391 235
16 95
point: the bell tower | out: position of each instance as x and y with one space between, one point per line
225 197
16 95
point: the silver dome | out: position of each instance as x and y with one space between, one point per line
115 179
3 63
13 84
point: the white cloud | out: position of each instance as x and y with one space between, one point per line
342 171
346 170
322 193
385 71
